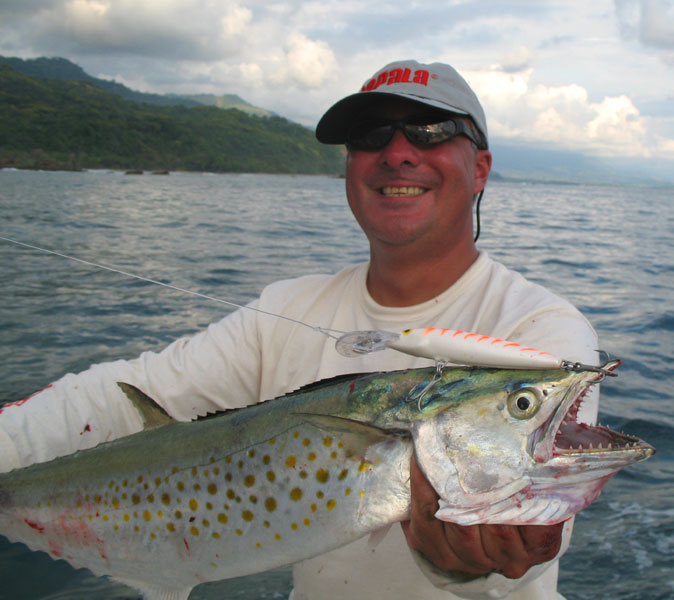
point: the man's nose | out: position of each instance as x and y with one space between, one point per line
399 151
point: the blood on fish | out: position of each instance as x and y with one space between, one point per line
34 525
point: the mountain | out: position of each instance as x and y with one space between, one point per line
532 163
63 123
64 70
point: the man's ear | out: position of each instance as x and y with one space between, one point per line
482 168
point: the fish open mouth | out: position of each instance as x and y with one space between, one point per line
563 435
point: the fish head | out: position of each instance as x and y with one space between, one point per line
505 446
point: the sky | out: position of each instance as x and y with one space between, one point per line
590 76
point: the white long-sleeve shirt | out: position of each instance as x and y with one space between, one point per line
249 357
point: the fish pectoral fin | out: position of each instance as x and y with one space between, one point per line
356 436
152 414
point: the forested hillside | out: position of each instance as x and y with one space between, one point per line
60 123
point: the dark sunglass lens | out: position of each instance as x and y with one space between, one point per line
430 133
369 135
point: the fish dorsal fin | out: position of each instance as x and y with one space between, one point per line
358 436
152 414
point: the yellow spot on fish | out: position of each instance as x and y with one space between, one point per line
253 499
209 506
228 476
327 441
178 514
364 466
266 459
196 487
296 494
126 517
272 441
222 518
266 524
228 459
306 441
277 536
195 471
251 453
206 523
249 480
166 499
216 471
270 504
150 498
193 504
271 476
105 517
296 434
307 522
303 474
247 515
181 486
322 475
238 532
135 498
140 479
319 494
347 492
331 504
311 456
231 494
293 526
361 493
333 455
291 461
115 502
157 481
147 515
240 464
258 545
473 449
313 508
194 531
212 489
216 535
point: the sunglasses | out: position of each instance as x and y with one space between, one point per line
375 134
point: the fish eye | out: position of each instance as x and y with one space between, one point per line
524 403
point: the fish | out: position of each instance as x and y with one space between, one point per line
247 490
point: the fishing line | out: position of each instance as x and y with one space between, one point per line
323 330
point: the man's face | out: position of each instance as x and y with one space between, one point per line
405 194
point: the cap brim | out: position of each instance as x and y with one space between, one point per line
334 124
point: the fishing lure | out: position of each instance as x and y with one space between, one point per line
441 345
455 346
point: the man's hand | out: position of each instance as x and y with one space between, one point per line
476 549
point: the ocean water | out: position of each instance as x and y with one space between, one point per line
606 248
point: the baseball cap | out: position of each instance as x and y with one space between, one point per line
437 85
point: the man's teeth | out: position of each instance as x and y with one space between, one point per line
408 190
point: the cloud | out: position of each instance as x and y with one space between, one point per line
561 116
649 21
173 29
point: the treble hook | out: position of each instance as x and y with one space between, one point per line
577 367
439 367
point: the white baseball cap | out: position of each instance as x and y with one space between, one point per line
437 85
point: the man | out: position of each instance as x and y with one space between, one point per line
416 137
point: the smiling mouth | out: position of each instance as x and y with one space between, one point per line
402 191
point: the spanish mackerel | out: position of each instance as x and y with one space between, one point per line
278 482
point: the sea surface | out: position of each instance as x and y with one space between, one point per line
610 250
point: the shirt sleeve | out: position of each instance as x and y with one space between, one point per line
213 370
